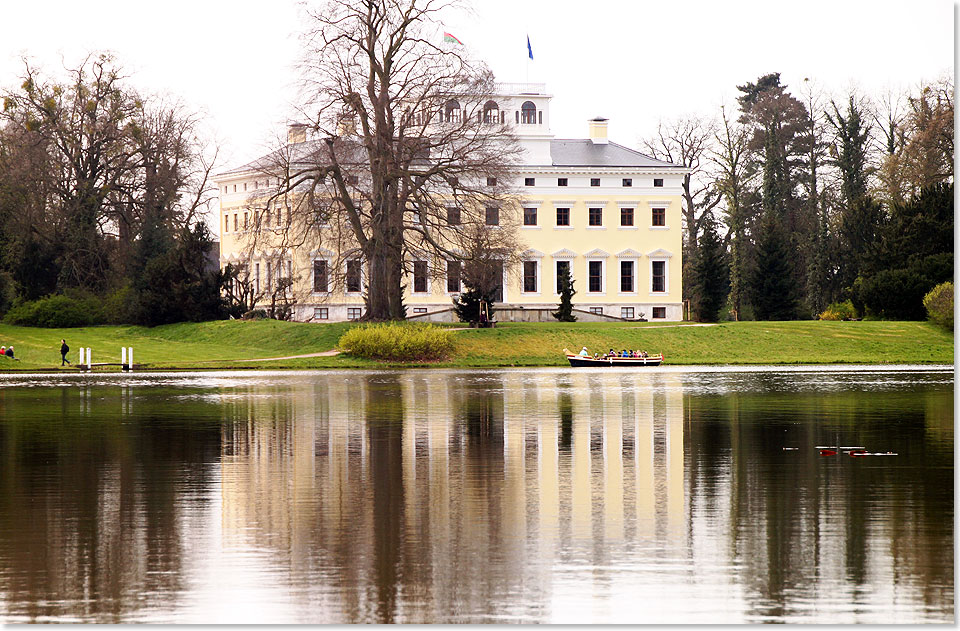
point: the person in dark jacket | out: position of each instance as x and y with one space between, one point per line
10 353
64 349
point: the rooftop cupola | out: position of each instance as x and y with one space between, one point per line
598 130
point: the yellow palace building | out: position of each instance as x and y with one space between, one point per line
608 213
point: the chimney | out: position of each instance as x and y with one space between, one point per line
598 130
296 133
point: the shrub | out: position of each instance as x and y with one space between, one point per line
57 312
397 341
939 305
839 311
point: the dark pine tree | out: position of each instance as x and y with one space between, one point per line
710 275
772 286
564 312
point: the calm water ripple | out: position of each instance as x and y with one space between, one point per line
672 495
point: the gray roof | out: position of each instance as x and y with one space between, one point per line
585 153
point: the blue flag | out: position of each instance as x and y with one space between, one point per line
529 49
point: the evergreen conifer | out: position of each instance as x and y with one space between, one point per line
564 312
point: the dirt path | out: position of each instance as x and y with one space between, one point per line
667 326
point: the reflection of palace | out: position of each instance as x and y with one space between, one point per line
430 485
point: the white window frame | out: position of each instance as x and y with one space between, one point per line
413 278
313 276
666 275
603 276
362 279
636 269
665 205
536 204
633 316
317 311
621 208
556 273
569 205
602 226
523 264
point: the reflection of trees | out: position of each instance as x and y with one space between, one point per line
93 499
798 522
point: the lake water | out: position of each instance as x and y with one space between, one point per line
664 495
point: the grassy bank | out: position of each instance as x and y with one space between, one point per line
236 344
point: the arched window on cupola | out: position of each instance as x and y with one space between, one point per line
528 113
451 112
491 112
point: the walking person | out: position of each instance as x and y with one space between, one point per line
64 349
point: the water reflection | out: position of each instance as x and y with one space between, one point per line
538 496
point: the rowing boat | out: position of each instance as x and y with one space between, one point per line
578 361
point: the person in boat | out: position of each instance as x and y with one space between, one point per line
612 353
584 352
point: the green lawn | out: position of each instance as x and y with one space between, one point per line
229 344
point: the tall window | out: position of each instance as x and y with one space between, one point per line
595 217
453 276
626 216
353 275
659 217
498 290
236 224
595 276
453 216
626 276
530 276
451 112
269 275
561 267
659 280
528 113
320 276
256 278
529 216
420 277
563 216
492 216
226 223
491 112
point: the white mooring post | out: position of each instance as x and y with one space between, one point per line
123 358
80 360
89 359
130 358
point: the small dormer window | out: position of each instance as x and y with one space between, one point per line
528 113
658 182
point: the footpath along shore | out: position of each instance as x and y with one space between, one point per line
292 345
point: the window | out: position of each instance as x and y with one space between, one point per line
562 266
492 216
561 181
352 180
626 216
226 223
626 276
563 216
420 277
453 276
321 313
419 309
529 181
627 181
595 217
595 276
236 225
244 186
596 310
451 112
354 313
491 181
626 313
453 216
320 276
659 313
658 182
659 279
278 217
269 275
234 188
528 113
353 275
246 221
266 217
256 279
529 216
491 112
594 181
659 217
530 276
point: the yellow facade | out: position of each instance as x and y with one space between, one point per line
610 213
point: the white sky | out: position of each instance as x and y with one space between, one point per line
633 62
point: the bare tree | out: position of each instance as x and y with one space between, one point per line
687 141
731 157
408 148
